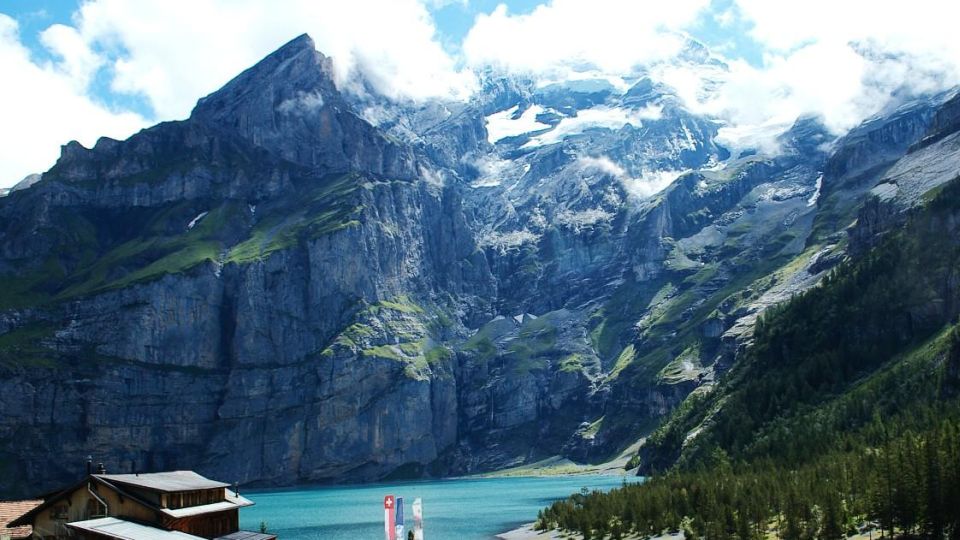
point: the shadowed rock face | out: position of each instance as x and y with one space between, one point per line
288 104
299 284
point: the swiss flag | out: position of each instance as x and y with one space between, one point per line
388 517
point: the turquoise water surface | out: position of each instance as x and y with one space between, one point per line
468 508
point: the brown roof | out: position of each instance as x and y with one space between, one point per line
11 510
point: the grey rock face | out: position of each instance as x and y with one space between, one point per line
278 389
300 283
289 105
945 122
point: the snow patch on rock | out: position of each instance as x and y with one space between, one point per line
196 220
501 125
601 117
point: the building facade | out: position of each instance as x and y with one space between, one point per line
177 505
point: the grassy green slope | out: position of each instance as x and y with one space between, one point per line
844 411
99 250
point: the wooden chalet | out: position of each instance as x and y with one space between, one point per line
177 505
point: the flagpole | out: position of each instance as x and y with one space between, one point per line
389 529
417 519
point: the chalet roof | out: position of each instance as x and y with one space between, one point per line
247 535
11 510
128 530
116 482
233 501
50 500
167 482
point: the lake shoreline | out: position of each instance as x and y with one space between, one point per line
527 532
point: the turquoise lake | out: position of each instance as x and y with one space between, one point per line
466 508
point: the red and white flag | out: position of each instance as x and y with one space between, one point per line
388 524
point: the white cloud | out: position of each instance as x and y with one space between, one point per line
437 4
76 60
760 137
923 25
602 164
304 103
840 60
611 35
648 184
43 106
911 45
819 78
174 52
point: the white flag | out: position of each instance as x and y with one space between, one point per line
417 519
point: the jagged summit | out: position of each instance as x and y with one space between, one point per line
296 67
299 43
296 76
289 104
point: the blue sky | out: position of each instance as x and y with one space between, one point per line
35 16
78 71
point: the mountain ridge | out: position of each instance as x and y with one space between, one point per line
301 285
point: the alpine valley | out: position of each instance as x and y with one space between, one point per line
304 282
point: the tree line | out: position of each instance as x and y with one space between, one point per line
909 485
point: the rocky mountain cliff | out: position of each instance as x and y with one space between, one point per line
301 283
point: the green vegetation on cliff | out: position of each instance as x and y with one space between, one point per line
845 411
98 250
327 208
